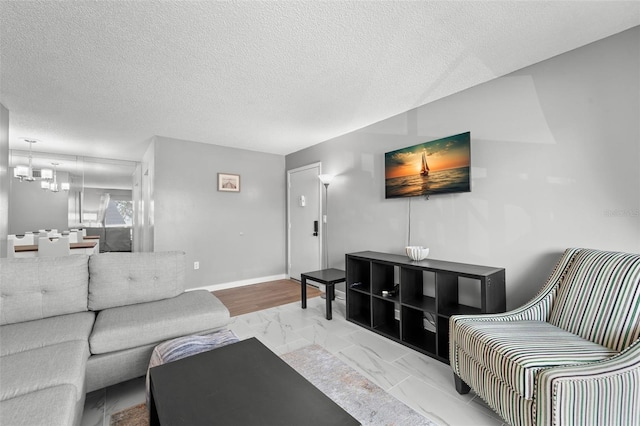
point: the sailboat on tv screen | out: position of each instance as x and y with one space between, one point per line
425 167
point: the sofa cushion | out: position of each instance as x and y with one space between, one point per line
41 368
27 335
599 298
516 351
116 367
119 279
41 287
46 407
136 325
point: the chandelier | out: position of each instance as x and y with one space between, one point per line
48 177
25 173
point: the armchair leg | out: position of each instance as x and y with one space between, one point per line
461 387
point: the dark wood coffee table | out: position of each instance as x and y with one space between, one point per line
240 384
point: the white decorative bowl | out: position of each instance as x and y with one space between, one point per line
417 252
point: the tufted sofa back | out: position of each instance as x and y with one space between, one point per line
42 287
119 279
599 298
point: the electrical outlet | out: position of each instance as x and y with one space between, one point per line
196 265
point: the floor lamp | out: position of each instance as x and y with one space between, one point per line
326 180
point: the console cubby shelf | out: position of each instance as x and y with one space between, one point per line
426 294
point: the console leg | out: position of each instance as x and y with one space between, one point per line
461 387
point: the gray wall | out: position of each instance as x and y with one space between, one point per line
555 154
31 208
4 179
234 236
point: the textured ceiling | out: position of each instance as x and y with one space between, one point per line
100 78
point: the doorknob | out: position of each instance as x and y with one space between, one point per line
315 228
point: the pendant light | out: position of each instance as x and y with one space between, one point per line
25 173
53 186
49 180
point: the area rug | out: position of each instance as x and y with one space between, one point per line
356 394
132 416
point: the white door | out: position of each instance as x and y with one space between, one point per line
304 208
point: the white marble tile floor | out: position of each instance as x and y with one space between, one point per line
422 383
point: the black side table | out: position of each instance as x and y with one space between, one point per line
328 277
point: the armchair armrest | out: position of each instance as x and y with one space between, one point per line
599 393
538 308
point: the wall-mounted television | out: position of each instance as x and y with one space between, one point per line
441 166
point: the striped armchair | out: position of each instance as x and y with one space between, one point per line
571 356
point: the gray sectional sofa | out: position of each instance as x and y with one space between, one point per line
70 325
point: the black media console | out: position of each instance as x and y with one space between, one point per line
411 301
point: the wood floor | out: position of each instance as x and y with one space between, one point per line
256 297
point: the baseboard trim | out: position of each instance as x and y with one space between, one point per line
242 283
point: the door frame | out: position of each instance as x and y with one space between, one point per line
317 165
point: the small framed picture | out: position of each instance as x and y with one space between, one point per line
228 182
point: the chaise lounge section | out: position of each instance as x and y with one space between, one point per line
74 324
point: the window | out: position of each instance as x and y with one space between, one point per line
119 213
